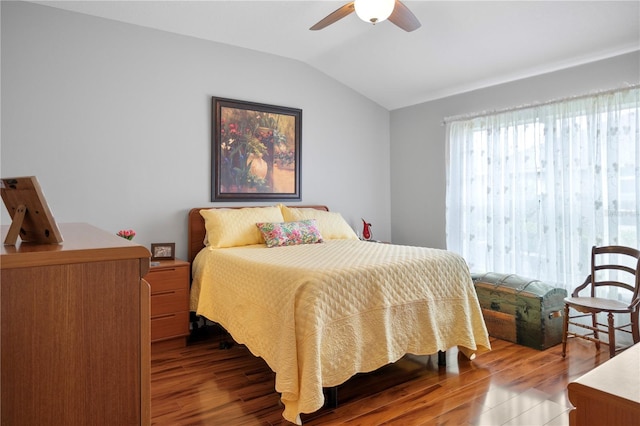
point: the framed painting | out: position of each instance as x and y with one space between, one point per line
255 151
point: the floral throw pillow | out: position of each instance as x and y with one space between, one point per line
290 233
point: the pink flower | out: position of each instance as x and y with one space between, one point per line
127 233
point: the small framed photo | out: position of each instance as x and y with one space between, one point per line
163 251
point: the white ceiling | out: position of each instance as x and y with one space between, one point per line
461 46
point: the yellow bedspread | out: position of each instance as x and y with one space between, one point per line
320 313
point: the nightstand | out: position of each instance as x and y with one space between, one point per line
169 283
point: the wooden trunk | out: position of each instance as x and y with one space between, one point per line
521 310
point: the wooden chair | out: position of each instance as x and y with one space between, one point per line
609 270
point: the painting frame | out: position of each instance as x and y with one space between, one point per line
163 251
256 151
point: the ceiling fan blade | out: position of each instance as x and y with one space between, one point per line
334 16
404 18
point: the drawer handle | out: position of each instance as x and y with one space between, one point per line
162 293
164 316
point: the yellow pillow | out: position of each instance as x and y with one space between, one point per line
332 225
237 227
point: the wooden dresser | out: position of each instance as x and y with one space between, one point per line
169 281
609 394
75 331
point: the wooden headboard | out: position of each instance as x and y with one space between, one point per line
197 230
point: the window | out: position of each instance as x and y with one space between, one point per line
530 191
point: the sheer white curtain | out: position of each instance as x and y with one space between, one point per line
530 191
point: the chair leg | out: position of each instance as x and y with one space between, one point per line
635 326
594 323
565 330
612 336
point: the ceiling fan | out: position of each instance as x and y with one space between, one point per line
373 11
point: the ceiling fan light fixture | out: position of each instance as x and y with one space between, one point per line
374 11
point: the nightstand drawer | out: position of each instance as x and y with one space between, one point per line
162 280
169 301
169 281
170 325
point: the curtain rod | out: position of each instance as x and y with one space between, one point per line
473 115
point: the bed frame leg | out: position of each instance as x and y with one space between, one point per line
442 358
332 397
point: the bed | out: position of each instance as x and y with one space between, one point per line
319 312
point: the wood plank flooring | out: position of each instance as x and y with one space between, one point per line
202 384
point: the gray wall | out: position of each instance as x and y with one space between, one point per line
418 139
115 121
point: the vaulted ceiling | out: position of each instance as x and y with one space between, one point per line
461 45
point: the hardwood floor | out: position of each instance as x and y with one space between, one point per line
510 385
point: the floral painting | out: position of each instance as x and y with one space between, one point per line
256 151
